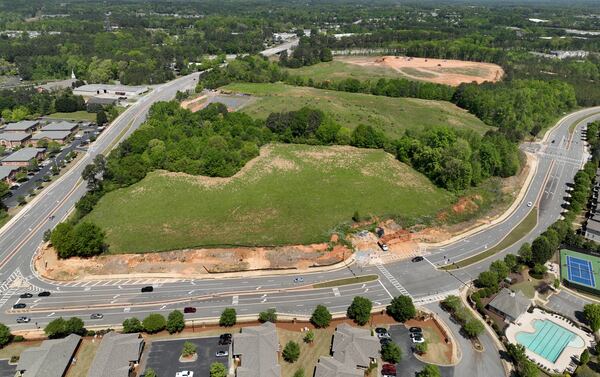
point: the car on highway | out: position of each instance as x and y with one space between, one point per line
417 259
20 305
299 279
44 294
148 288
529 204
189 309
26 295
221 353
185 373
23 319
97 316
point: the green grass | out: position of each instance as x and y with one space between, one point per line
594 260
76 116
520 231
292 194
391 115
85 356
338 70
347 281
309 353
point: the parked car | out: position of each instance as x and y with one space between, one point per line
221 354
20 305
23 319
44 294
96 316
417 339
148 288
299 279
415 330
417 259
184 373
388 370
189 309
383 335
224 341
380 330
26 295
383 246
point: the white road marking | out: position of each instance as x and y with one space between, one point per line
235 300
336 291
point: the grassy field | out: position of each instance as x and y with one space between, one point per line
309 353
390 115
520 231
76 116
291 194
337 70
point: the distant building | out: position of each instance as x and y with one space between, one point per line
23 126
14 139
8 174
509 304
257 349
117 355
60 126
94 103
330 367
23 157
50 359
58 136
93 90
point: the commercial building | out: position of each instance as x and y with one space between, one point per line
14 139
117 355
510 305
257 349
23 157
60 126
58 136
93 90
50 359
28 126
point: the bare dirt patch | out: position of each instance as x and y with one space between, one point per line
441 71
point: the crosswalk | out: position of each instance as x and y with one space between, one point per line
14 284
392 280
435 297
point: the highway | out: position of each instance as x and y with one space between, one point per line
559 156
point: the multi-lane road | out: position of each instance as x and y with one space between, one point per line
559 156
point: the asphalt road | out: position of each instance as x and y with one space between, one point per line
119 299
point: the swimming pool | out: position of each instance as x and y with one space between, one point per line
549 339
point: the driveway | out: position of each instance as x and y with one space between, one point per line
163 356
7 370
472 363
410 365
568 304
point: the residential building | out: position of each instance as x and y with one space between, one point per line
355 347
7 174
23 126
23 157
330 367
509 304
60 126
117 355
58 136
257 349
14 139
50 359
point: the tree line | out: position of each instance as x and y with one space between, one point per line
310 50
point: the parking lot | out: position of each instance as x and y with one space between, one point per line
7 370
163 356
409 365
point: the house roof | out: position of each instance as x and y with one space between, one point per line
330 367
14 136
593 224
115 354
60 126
353 346
50 359
113 88
23 155
510 303
258 348
6 171
23 125
52 135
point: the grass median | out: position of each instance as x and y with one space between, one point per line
520 231
346 281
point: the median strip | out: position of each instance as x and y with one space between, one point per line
346 281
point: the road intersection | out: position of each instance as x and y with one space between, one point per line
559 157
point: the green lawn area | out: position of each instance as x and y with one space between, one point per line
346 281
338 70
291 194
76 116
391 115
520 231
85 356
309 353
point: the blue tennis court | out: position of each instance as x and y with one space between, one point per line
580 271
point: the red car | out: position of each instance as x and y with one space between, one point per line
189 309
388 369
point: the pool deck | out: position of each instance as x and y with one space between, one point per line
525 324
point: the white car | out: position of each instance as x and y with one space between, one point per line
529 204
417 339
184 373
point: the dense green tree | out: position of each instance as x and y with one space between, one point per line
175 322
132 325
154 323
526 254
5 335
218 370
228 317
473 328
360 310
401 308
321 317
269 315
391 353
59 327
430 370
150 373
291 352
591 312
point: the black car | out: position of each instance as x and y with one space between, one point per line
384 341
19 306
380 330
417 259
189 309
415 330
44 294
148 288
224 341
26 295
